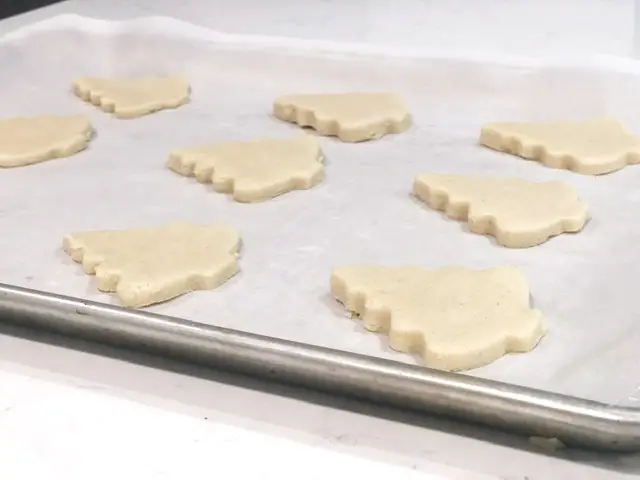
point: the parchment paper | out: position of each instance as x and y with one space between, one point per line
584 284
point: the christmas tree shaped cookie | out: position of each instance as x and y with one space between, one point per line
133 97
455 318
144 266
518 213
590 147
253 171
28 140
352 117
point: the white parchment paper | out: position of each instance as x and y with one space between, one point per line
585 284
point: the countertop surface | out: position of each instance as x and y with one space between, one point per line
86 413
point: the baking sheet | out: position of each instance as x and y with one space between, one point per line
362 213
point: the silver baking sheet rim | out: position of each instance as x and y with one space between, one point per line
582 283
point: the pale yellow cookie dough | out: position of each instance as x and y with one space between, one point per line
590 147
133 97
144 266
518 213
253 171
28 140
455 318
352 117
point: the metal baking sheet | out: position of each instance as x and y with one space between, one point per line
362 213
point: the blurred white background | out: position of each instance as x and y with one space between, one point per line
522 27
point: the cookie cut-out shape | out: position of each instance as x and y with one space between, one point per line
256 170
454 317
28 140
590 147
144 266
518 213
133 97
352 117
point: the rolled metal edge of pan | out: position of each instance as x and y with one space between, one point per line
573 421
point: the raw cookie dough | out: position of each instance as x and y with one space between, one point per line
253 171
130 98
518 213
590 147
28 140
144 266
456 318
352 117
